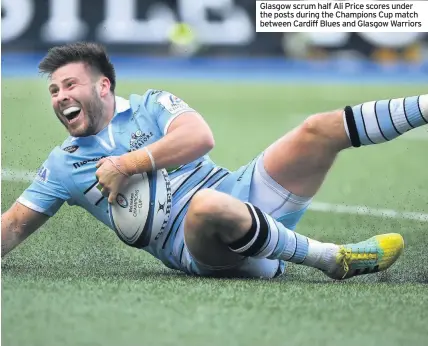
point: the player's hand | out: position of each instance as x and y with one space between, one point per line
110 177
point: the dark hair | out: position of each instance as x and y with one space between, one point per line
93 54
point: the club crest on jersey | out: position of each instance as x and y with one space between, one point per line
71 149
138 139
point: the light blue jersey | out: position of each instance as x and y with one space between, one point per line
68 175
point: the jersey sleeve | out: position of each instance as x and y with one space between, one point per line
46 194
165 107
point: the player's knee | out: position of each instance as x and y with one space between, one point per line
320 126
205 204
311 126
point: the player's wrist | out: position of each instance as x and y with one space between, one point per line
138 161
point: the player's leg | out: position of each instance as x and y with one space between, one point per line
220 231
300 160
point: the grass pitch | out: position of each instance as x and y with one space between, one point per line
75 283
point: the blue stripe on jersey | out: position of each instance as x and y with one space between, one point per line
188 167
187 184
195 179
413 112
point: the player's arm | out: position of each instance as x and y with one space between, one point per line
187 138
17 224
41 200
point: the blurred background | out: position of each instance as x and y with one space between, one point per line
192 33
74 274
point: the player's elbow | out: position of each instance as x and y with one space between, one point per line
208 141
205 140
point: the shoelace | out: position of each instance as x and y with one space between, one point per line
345 257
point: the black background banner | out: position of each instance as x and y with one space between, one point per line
223 27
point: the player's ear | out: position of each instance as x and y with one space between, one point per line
104 85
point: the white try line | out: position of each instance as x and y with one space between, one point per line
27 176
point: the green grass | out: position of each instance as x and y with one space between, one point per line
74 283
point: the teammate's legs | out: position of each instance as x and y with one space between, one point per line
220 231
300 160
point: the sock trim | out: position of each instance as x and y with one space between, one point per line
303 251
295 248
266 244
249 237
261 236
352 127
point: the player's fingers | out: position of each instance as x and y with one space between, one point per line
100 162
105 192
112 197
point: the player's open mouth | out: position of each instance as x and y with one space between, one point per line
72 113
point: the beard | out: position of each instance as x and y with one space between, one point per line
93 112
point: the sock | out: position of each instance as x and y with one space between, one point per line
270 239
381 121
321 255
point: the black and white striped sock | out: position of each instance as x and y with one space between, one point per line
381 121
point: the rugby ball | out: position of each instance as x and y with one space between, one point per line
142 209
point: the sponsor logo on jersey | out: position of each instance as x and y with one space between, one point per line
174 99
43 174
138 139
173 104
71 149
122 201
168 203
82 163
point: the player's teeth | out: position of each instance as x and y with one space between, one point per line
70 110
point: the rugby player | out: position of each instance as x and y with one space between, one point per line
223 223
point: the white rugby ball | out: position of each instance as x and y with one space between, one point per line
142 209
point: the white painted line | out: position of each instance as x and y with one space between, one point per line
362 210
8 174
27 176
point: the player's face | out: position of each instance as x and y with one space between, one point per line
76 99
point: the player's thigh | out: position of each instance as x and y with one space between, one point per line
274 199
300 160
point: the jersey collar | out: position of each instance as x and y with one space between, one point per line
122 105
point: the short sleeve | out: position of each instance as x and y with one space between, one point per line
47 193
165 107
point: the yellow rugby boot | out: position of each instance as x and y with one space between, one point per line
370 256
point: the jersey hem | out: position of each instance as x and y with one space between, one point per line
33 206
